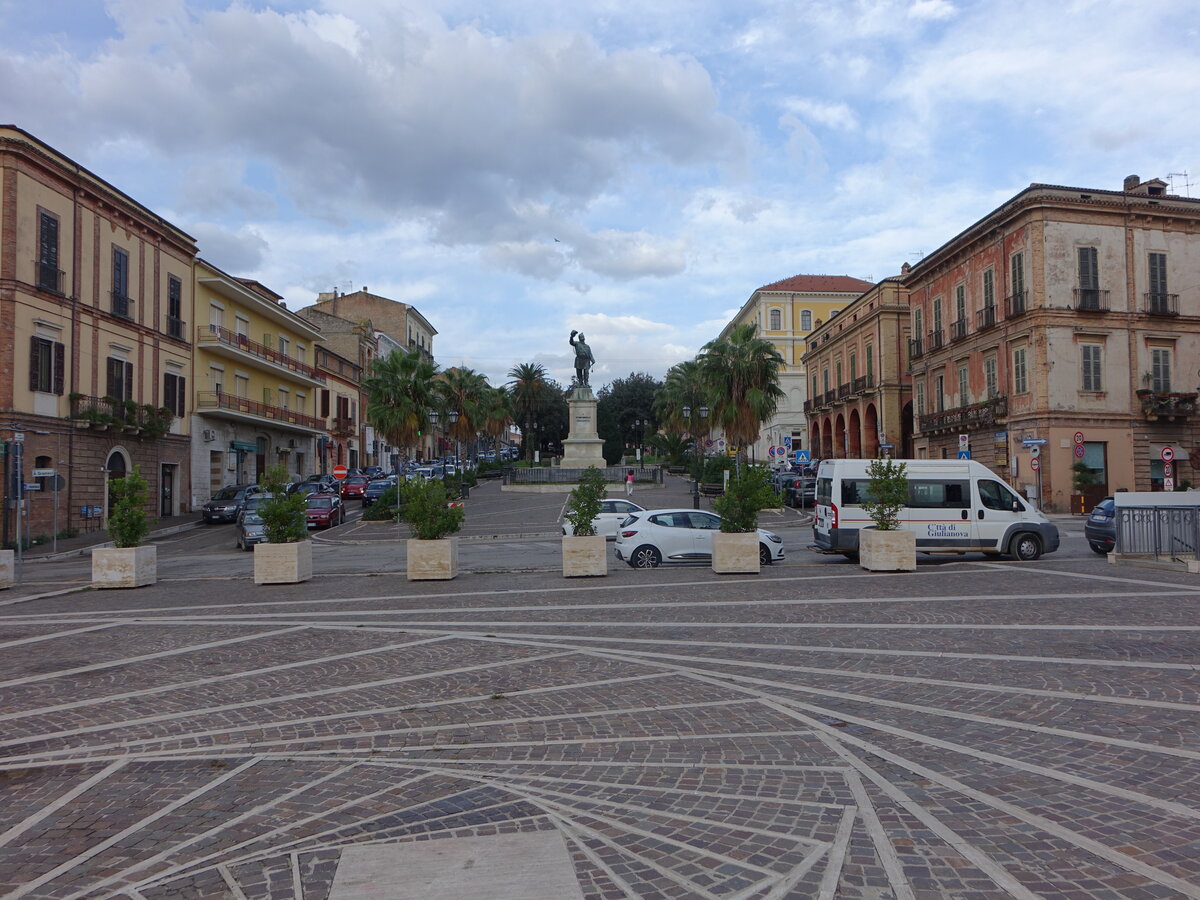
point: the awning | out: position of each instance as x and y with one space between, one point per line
248 446
1157 449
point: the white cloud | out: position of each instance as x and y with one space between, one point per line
932 10
832 115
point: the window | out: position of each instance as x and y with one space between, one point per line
1089 355
960 303
46 359
285 398
1017 265
120 379
1089 269
175 393
216 316
120 283
964 397
48 275
301 354
1160 302
268 398
774 320
920 397
174 307
939 494
989 289
1160 370
838 369
854 367
870 364
825 375
243 328
989 377
283 346
939 392
918 322
324 403
995 495
814 388
241 386
216 378
806 320
43 462
937 315
1020 375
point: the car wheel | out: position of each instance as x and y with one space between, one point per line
1099 548
764 555
1026 547
645 557
851 555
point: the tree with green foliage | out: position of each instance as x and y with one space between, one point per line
584 503
283 515
887 492
127 523
621 403
424 507
528 392
741 372
400 395
745 495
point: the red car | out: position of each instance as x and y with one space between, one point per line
325 510
354 486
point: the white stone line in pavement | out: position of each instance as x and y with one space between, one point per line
29 598
59 802
8 645
837 856
783 886
952 838
163 654
306 695
232 883
784 626
96 849
130 871
230 676
1090 845
355 840
884 848
1111 579
576 839
297 885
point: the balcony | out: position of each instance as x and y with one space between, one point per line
1174 406
111 414
829 398
915 348
843 390
49 278
121 305
1157 304
964 418
246 409
934 340
214 336
985 318
1091 300
343 427
1016 305
425 352
958 330
863 383
175 327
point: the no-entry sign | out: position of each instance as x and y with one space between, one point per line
339 472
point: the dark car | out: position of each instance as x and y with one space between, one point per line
354 486
802 493
327 483
375 488
228 502
324 510
1100 529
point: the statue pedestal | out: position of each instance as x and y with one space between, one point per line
584 447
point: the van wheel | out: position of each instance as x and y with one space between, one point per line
764 555
645 557
1026 547
851 555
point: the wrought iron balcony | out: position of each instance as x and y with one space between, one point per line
1091 300
343 427
843 390
1167 405
958 330
1161 304
217 334
915 348
105 413
985 318
219 400
863 383
49 278
934 340
120 305
1016 305
963 418
175 327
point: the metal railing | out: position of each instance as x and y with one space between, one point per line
342 426
120 305
914 348
1161 304
1016 304
1091 299
175 327
935 339
958 329
558 475
965 417
1171 532
222 400
49 277
222 335
985 318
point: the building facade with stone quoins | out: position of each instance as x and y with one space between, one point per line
399 320
95 341
1070 315
859 398
785 313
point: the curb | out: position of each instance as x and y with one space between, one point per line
80 551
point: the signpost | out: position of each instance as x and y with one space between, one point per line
1034 446
1167 454
339 472
802 456
1079 451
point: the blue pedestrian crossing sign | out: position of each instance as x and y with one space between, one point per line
964 454
802 456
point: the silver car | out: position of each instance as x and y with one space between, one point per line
612 514
250 530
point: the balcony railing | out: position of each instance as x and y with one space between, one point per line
830 398
1016 304
1167 405
1091 300
977 415
425 352
343 427
49 278
222 400
935 340
103 413
863 383
915 348
958 330
335 365
120 305
985 318
175 327
843 390
1162 304
221 335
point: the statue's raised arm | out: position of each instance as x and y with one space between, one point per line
583 358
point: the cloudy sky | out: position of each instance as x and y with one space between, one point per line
516 169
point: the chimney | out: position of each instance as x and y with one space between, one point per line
1131 183
905 269
365 291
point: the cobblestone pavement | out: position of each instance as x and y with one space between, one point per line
974 729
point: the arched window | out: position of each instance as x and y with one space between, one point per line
775 320
806 320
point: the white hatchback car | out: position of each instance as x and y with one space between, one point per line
654 536
612 514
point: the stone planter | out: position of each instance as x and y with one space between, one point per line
432 560
8 560
124 567
282 563
887 551
584 556
735 554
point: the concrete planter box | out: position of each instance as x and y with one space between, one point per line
282 563
735 554
432 560
887 551
8 559
124 567
584 556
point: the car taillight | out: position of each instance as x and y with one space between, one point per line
628 533
833 516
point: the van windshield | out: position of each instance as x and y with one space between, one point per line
824 491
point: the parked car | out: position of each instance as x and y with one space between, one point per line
612 514
326 482
325 510
802 494
228 502
373 471
308 488
250 530
375 488
653 536
253 503
354 486
1100 529
782 482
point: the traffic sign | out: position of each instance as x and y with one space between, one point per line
1035 464
1167 454
43 473
964 454
964 440
1035 452
802 456
787 441
1034 442
340 472
1168 484
1168 470
1079 451
1079 437
771 451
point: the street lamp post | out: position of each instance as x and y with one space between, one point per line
462 489
698 451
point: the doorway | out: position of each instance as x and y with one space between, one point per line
166 491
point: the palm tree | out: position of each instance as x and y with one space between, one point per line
462 390
684 387
528 391
741 372
400 393
495 413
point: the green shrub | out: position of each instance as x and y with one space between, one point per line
423 507
127 523
283 514
887 492
385 508
743 498
584 503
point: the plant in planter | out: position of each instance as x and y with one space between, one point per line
432 553
156 421
127 563
735 549
286 557
886 547
584 551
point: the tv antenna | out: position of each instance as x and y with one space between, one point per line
1187 184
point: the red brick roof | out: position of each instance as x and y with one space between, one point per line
819 284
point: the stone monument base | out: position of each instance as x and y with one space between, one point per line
584 447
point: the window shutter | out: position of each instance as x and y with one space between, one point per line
181 397
324 403
1158 273
1089 274
169 400
60 355
128 381
34 360
113 377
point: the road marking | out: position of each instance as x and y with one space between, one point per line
61 801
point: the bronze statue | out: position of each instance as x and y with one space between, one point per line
583 359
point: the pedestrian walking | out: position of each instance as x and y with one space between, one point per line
629 483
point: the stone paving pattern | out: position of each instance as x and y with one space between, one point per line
979 729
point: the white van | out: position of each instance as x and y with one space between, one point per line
953 506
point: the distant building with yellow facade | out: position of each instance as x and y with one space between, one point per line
257 385
786 312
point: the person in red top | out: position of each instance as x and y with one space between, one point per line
629 483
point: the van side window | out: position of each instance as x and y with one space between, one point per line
996 496
855 491
939 494
824 491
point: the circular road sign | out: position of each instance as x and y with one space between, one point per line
1079 451
1035 452
1079 437
1168 454
1035 464
339 472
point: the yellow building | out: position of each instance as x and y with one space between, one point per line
786 312
256 384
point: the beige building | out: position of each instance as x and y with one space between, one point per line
858 382
786 312
399 320
1070 316
95 347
